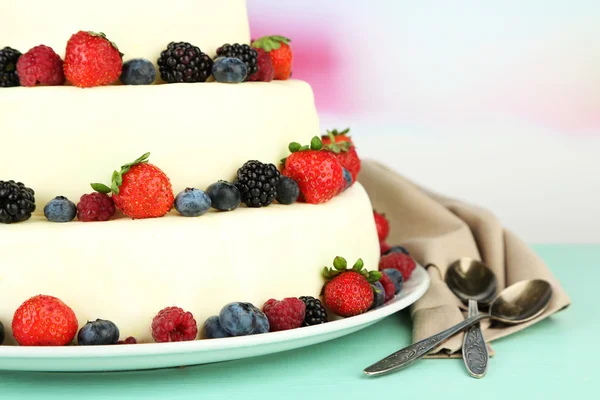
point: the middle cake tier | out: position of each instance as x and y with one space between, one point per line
197 133
127 270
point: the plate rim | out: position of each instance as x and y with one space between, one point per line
210 345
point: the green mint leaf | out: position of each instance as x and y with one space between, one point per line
100 188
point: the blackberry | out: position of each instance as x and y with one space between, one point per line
8 67
315 312
182 62
17 202
242 51
257 182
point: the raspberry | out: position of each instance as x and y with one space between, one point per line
388 286
173 324
265 72
40 65
95 207
129 340
384 247
285 314
400 261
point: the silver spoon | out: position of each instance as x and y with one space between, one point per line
520 302
475 284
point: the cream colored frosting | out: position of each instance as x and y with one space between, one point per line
63 138
139 28
127 270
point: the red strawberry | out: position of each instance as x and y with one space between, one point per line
344 150
92 60
44 321
349 292
349 160
384 247
318 173
338 136
278 48
388 285
140 190
400 261
383 226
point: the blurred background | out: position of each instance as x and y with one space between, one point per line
497 103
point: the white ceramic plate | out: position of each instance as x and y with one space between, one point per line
165 355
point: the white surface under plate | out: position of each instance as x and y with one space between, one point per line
165 355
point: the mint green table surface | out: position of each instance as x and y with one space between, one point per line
554 359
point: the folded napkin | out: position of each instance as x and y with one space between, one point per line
437 231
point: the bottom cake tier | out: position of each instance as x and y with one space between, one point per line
127 270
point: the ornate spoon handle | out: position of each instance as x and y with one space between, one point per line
474 349
414 352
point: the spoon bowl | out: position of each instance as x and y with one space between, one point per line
521 302
471 279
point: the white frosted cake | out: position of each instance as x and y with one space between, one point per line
125 270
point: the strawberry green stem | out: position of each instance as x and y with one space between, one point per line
117 176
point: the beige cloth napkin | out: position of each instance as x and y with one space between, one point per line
439 230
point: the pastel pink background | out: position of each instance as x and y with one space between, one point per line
446 63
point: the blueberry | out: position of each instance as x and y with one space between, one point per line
224 196
379 292
229 70
192 202
138 71
287 190
1 333
261 323
396 277
60 209
213 329
238 319
397 249
98 332
347 177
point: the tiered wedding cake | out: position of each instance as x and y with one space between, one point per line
58 139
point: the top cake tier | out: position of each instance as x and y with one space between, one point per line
140 28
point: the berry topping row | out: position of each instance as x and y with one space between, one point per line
347 291
91 59
314 174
